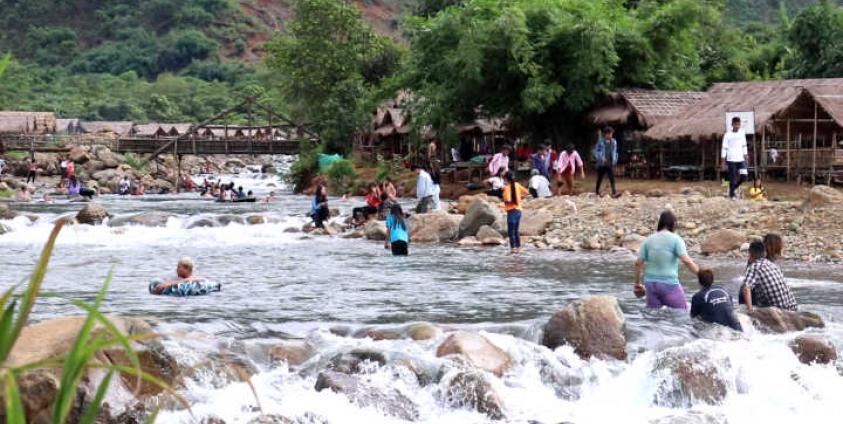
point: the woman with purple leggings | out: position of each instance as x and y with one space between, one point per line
658 263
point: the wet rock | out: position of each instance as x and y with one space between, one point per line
375 230
470 241
423 331
355 234
434 227
6 212
80 154
775 320
722 241
633 242
202 223
390 402
471 389
5 229
488 236
356 361
293 353
271 419
146 219
94 166
154 360
534 223
593 326
220 369
92 214
108 158
212 419
823 195
378 334
256 219
225 220
654 192
686 378
479 213
565 382
813 350
477 350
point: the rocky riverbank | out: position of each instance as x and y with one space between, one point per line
466 366
101 168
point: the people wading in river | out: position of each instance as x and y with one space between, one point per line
184 273
658 264
426 190
319 207
764 284
397 232
513 193
713 304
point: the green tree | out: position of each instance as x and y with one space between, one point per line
816 37
319 64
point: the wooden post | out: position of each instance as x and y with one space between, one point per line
661 159
702 162
178 165
763 154
814 160
798 166
789 148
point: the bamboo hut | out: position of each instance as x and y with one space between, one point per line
122 128
151 130
27 122
631 112
798 127
68 126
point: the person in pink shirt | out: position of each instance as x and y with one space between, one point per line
567 164
500 161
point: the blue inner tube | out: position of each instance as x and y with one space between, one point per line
187 288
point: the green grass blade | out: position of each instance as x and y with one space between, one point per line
14 407
6 327
145 377
94 407
153 416
6 296
31 292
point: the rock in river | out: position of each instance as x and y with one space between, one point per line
480 213
472 389
489 236
593 326
436 227
478 350
390 402
92 214
813 349
775 320
685 378
722 241
375 230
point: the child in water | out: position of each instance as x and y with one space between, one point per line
758 192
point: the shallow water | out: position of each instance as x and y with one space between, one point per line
282 285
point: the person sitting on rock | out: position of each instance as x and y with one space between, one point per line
319 207
539 185
494 185
240 193
764 284
184 272
713 304
373 200
758 193
658 264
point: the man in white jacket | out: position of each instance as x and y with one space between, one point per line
733 156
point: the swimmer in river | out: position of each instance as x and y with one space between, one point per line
184 272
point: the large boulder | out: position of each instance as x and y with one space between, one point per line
292 353
389 401
775 320
80 154
823 195
6 212
471 389
479 213
422 331
356 361
489 236
92 214
434 227
633 242
813 350
106 175
109 158
534 222
375 230
477 350
592 326
94 166
722 241
465 201
686 378
146 219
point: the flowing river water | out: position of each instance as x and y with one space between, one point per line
281 285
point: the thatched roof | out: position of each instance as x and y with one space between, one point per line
390 121
641 108
706 119
67 125
117 127
27 122
485 126
150 130
179 129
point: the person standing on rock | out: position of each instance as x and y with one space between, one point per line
319 207
425 190
713 304
658 266
513 192
567 164
606 154
397 232
764 284
33 171
500 161
733 156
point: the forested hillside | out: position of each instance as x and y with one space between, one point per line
767 11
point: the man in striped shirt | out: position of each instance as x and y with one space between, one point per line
764 284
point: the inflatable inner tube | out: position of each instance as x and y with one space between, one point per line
186 288
247 199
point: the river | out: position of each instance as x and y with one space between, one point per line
281 285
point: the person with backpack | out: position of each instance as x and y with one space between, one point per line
397 232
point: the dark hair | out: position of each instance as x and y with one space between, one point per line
667 221
608 129
416 166
397 216
756 249
736 119
773 245
506 147
570 149
706 277
500 172
319 196
513 192
542 146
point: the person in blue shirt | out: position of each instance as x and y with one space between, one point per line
541 161
397 232
713 304
606 154
657 266
319 207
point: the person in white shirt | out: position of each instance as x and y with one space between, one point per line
733 156
774 155
2 165
426 191
494 185
539 185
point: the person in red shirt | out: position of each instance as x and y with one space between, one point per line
373 200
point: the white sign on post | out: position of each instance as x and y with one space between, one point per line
747 121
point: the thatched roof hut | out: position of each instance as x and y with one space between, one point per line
706 119
151 130
179 129
641 109
68 126
27 122
116 127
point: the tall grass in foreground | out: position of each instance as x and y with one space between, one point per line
79 359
